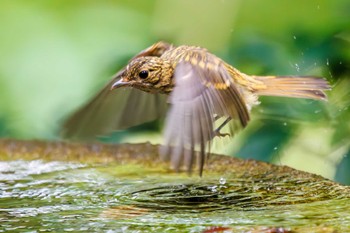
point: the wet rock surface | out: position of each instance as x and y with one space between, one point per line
92 187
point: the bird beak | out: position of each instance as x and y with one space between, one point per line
119 83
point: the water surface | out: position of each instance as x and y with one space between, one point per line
40 194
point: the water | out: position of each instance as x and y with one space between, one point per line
71 196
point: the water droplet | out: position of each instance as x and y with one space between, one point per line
275 148
327 62
297 67
330 74
317 111
294 37
318 7
285 123
213 188
222 181
340 63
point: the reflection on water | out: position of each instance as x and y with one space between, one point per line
61 196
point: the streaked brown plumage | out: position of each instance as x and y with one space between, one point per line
201 89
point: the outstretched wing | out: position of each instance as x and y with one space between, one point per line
204 91
114 110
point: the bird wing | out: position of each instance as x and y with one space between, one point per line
114 110
204 90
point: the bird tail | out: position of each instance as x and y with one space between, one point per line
296 87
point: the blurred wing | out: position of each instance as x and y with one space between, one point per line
201 95
114 110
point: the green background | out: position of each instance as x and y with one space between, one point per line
56 54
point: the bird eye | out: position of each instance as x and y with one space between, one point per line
143 74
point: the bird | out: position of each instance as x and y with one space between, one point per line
198 92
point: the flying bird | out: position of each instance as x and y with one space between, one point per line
199 92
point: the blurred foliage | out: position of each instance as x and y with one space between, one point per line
57 54
342 174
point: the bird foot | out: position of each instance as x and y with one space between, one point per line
217 131
218 134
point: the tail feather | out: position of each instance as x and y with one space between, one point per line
296 87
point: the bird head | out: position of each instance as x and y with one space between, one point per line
150 74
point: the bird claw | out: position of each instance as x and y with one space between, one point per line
218 134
